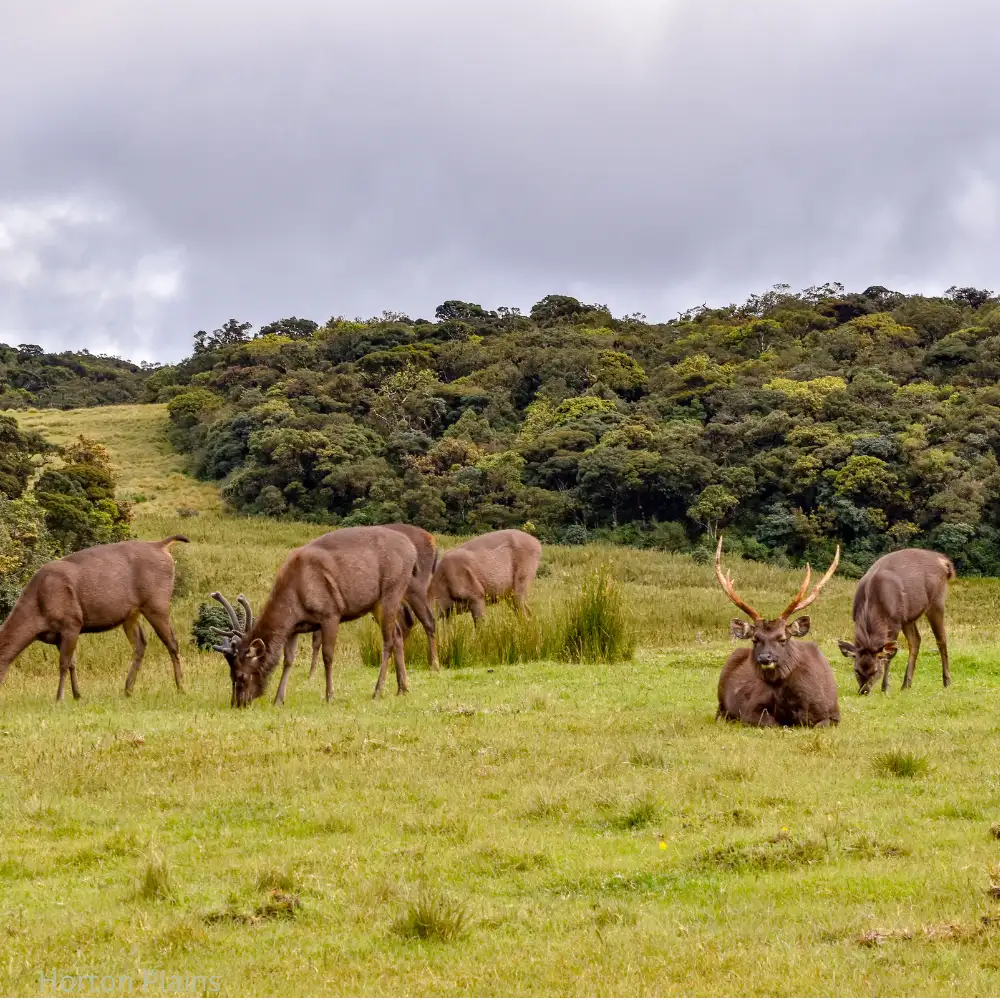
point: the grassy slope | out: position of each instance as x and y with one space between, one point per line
604 833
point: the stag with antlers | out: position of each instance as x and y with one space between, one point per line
778 681
355 572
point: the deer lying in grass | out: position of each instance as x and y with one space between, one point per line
778 681
486 569
891 596
96 590
354 572
427 560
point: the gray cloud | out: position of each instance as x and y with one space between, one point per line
255 159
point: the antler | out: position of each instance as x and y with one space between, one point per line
245 605
726 582
233 617
814 593
794 603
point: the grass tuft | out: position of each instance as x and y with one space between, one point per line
900 764
597 628
155 884
433 917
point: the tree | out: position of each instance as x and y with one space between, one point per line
294 328
713 506
231 332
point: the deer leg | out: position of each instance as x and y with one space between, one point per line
72 678
913 642
132 628
421 609
291 647
402 685
162 627
328 635
67 653
388 626
886 663
316 650
477 607
936 617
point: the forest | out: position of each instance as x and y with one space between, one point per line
793 422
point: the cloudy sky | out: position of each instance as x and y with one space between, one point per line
167 164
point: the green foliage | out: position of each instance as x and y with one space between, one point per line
597 627
210 619
25 545
796 421
69 507
31 377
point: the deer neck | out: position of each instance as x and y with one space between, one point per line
16 634
273 628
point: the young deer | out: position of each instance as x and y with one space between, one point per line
96 590
778 681
891 596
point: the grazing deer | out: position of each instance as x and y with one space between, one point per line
484 570
891 596
427 560
779 681
96 590
354 572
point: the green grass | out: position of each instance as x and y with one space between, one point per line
515 828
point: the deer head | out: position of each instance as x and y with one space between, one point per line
869 664
244 655
770 638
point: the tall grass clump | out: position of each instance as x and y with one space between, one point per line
900 764
596 625
433 917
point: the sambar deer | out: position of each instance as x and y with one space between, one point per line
484 570
427 561
891 596
96 590
354 572
778 681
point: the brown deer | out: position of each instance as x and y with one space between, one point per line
354 572
427 560
891 596
96 590
778 682
486 569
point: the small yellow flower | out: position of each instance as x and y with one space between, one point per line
663 845
784 829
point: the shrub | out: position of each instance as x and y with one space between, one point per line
433 917
25 545
596 626
210 620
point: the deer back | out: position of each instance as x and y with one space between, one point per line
896 590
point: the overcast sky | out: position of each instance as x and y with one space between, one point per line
167 164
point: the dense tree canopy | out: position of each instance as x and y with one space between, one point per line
31 377
791 421
53 501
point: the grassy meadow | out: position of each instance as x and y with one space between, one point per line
539 828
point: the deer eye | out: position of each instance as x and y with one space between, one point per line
782 638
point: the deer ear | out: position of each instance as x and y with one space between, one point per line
799 627
847 648
257 648
740 629
890 649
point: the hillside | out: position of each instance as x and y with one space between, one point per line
592 819
796 421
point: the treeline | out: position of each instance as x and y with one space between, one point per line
53 501
31 377
794 421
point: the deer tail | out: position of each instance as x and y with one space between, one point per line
949 568
167 542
